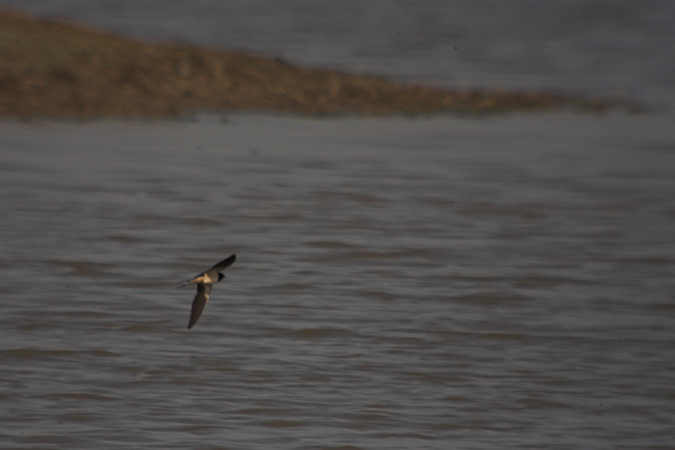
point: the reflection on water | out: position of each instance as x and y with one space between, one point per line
399 284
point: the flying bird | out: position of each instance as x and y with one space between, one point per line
204 282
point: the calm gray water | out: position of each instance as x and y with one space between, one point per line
447 283
429 284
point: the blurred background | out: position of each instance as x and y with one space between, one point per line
599 47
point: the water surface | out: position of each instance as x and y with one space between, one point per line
427 284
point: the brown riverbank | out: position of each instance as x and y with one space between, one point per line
52 68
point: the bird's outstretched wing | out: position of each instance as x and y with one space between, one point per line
227 262
198 304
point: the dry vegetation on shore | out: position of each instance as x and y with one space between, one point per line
55 69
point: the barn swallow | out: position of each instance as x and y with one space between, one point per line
204 282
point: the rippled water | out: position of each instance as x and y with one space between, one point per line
426 284
414 284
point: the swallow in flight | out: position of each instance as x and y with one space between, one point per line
204 282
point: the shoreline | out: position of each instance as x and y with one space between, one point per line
57 69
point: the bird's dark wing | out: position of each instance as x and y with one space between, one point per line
227 262
199 303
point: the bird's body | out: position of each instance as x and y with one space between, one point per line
204 282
